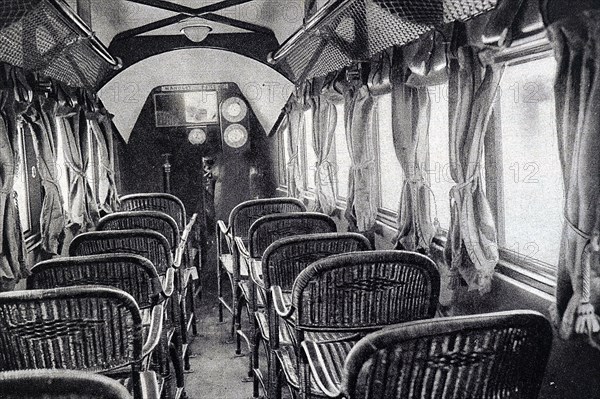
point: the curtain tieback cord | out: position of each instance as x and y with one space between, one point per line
587 322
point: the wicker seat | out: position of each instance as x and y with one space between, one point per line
498 355
261 234
154 247
173 206
282 261
163 202
131 273
240 219
165 225
354 293
68 328
59 384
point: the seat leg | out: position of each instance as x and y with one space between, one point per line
238 325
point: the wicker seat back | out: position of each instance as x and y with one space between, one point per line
149 244
152 220
271 228
366 290
131 273
59 384
284 259
162 202
80 328
498 355
246 213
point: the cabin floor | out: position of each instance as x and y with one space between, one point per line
216 372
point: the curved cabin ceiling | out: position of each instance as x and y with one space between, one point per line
265 89
111 17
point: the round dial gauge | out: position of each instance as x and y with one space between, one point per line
197 136
235 136
234 109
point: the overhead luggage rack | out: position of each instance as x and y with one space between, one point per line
46 36
345 31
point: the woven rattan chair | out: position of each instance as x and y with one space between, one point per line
261 234
163 202
166 225
59 384
354 293
498 355
154 247
240 219
90 328
131 273
282 261
173 206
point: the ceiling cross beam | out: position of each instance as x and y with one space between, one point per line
204 12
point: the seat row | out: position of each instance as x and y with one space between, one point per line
120 305
339 319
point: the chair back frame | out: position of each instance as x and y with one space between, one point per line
68 328
131 273
496 355
147 243
152 220
270 228
163 202
393 287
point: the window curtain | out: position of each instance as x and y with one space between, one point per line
12 245
472 249
101 125
576 42
295 118
324 122
81 213
361 207
411 108
41 118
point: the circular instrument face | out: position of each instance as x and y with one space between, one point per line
234 109
235 136
197 136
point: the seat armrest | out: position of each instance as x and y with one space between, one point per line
255 275
242 248
188 229
168 283
279 304
319 370
154 331
222 227
178 256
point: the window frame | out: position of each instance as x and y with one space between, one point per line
34 194
530 271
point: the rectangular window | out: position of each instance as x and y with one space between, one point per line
531 206
391 177
440 179
20 182
342 157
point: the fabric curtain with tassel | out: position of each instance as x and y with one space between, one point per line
576 43
411 107
12 245
361 208
324 121
80 216
42 123
472 248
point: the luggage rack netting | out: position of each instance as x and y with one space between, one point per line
41 40
13 10
362 28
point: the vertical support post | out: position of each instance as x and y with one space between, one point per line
166 172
